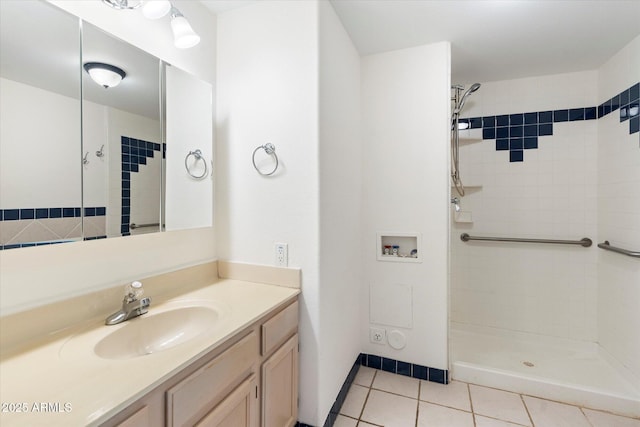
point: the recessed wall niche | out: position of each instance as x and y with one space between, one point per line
399 247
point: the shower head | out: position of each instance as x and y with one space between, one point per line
474 87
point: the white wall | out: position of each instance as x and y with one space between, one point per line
268 92
76 268
39 160
405 114
542 289
340 155
618 216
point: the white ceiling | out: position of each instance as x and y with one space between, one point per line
491 40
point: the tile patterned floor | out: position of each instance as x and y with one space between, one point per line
379 398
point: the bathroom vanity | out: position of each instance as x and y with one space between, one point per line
242 370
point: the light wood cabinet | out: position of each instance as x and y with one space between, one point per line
251 380
280 386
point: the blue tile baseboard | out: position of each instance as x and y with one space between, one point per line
520 131
405 368
342 394
47 213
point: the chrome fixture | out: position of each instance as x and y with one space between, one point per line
183 35
607 246
132 305
106 75
458 104
100 152
585 241
270 149
85 161
197 155
456 203
123 4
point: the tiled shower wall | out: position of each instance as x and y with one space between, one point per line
547 191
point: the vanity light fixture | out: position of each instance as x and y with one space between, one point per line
123 4
104 74
183 35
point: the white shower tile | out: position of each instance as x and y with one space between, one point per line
499 404
545 413
492 422
343 421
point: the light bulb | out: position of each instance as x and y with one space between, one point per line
183 35
155 9
105 75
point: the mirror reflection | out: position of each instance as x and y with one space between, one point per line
40 163
122 137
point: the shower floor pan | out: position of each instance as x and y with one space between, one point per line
551 368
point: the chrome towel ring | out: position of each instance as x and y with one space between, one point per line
270 149
198 156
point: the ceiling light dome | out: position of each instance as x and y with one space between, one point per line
105 75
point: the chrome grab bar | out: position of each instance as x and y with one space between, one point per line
586 242
607 246
133 226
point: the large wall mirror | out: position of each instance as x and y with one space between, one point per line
82 161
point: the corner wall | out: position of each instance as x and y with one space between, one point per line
405 115
619 214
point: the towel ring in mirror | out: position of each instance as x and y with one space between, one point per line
198 156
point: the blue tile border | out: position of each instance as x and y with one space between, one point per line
48 213
407 369
509 129
134 153
342 395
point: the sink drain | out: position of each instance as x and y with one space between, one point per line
529 364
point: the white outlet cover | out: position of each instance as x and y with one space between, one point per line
397 339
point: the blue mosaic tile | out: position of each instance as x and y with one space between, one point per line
419 371
101 211
624 113
615 103
27 213
502 120
545 129
531 130
68 212
476 122
502 132
374 361
388 365
516 156
488 133
438 376
89 211
404 368
55 213
560 116
600 111
502 144
545 117
489 122
634 109
634 124
530 143
530 118
516 131
624 97
42 213
634 92
576 114
516 119
11 214
516 144
590 113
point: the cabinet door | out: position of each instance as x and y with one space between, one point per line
280 386
239 409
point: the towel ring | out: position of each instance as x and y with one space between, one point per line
198 156
270 149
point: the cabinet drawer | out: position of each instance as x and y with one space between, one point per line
192 398
279 328
239 409
139 419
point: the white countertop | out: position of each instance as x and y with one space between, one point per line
79 388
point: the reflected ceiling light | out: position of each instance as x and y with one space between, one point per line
183 35
155 9
104 74
123 4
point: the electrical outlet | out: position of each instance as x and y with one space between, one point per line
282 254
377 335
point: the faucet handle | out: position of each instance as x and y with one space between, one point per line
133 291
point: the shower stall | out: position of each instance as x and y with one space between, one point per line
548 158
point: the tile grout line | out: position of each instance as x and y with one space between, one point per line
473 413
364 404
418 403
526 408
585 415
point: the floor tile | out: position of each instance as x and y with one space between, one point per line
343 421
397 384
365 376
546 413
499 404
390 410
602 419
363 424
492 422
455 394
354 402
430 415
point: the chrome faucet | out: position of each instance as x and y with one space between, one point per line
132 305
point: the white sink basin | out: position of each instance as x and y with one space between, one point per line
152 333
164 327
